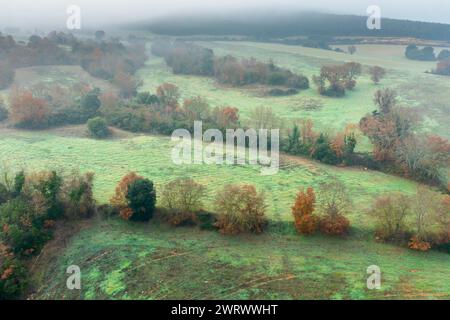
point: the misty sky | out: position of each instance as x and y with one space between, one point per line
52 13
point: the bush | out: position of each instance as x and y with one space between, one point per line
141 197
240 209
334 203
22 228
13 277
98 128
107 211
27 110
418 244
305 221
390 213
335 225
44 188
206 220
183 199
78 196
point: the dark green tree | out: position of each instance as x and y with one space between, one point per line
141 198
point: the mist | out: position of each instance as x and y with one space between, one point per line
29 14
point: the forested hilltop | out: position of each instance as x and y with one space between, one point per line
268 25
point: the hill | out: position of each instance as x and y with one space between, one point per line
265 25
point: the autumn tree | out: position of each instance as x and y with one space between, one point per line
333 80
225 117
431 219
376 74
168 94
240 209
424 157
119 199
28 111
78 196
183 198
196 108
391 213
303 209
351 71
264 118
334 203
127 83
388 126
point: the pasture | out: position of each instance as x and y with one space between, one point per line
121 260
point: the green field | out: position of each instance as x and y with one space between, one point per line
120 260
150 156
428 93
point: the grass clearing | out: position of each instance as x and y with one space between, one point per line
120 260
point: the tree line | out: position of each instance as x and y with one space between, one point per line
105 59
189 58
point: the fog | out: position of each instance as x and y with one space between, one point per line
95 13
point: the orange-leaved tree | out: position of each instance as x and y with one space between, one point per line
119 200
303 209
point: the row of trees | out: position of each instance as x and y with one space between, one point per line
393 130
106 59
188 58
421 220
413 52
238 208
334 80
42 106
332 205
303 140
30 205
163 112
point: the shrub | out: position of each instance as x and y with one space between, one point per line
431 220
22 228
305 221
240 209
335 225
28 111
417 244
98 127
78 196
390 213
333 204
44 188
13 277
119 199
206 220
377 73
141 197
183 199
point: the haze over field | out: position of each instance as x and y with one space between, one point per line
51 13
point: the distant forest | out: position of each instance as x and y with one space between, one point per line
289 24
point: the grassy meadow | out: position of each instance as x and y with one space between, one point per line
122 260
428 93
